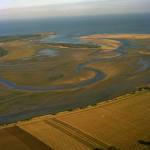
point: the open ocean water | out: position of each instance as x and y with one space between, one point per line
76 26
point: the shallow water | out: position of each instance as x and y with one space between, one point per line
63 39
144 65
47 52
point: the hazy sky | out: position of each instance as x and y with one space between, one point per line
26 3
10 9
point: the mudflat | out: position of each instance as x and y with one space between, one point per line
36 78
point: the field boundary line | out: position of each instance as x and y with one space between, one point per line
77 134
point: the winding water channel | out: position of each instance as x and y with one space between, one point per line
98 74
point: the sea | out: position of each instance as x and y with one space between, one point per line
76 26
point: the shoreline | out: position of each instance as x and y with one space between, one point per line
78 110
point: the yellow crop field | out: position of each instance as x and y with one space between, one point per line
120 123
52 136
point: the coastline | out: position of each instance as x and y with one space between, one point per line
78 110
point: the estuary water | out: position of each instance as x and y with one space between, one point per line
68 30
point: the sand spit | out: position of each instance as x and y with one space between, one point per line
117 36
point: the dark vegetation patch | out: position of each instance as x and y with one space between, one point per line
59 76
142 142
18 37
109 148
3 52
144 88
